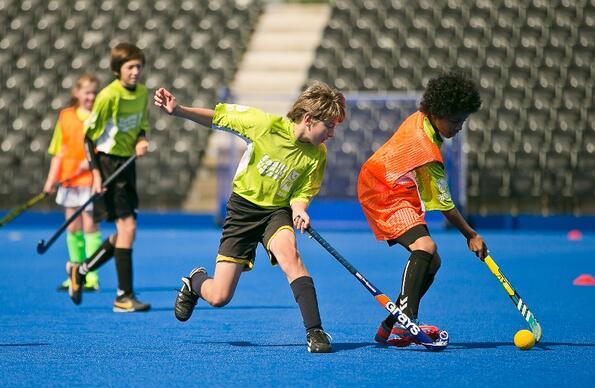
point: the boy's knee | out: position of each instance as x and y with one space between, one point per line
287 255
425 244
220 299
294 268
127 229
283 244
73 228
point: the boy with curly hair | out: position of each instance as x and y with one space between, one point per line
279 174
405 178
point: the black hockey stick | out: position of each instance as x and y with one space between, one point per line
43 246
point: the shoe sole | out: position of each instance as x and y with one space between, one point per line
329 350
86 289
182 318
380 340
400 342
122 310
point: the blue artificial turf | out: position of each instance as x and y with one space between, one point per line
258 339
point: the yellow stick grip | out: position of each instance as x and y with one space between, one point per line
496 271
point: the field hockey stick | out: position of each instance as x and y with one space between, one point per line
43 246
440 344
17 211
515 297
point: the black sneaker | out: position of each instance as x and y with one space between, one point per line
318 341
89 287
75 287
187 298
128 303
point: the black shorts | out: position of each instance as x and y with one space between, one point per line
120 200
410 236
246 225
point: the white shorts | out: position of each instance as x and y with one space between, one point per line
74 197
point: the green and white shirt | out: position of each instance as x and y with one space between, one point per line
276 170
118 117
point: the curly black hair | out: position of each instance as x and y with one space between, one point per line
450 94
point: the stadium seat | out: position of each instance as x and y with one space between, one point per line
543 100
54 42
553 57
494 184
445 37
568 119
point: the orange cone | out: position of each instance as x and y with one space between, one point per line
584 280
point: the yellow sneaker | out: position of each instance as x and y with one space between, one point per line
128 303
64 285
92 282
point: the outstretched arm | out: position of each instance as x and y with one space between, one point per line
166 101
52 179
474 240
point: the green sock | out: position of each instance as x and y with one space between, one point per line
92 242
76 246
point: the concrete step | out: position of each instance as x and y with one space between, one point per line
285 41
294 17
202 197
273 60
271 81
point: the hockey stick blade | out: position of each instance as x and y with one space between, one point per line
41 247
515 297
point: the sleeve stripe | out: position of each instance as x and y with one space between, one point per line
229 130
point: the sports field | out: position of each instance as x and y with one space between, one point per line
258 339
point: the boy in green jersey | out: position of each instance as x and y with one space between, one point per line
279 174
115 131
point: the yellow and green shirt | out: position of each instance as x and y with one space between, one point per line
431 180
118 117
276 170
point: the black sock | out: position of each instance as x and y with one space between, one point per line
197 279
305 296
98 258
124 269
427 283
412 282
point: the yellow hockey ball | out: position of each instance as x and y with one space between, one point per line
524 339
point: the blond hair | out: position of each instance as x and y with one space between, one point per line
321 102
87 77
